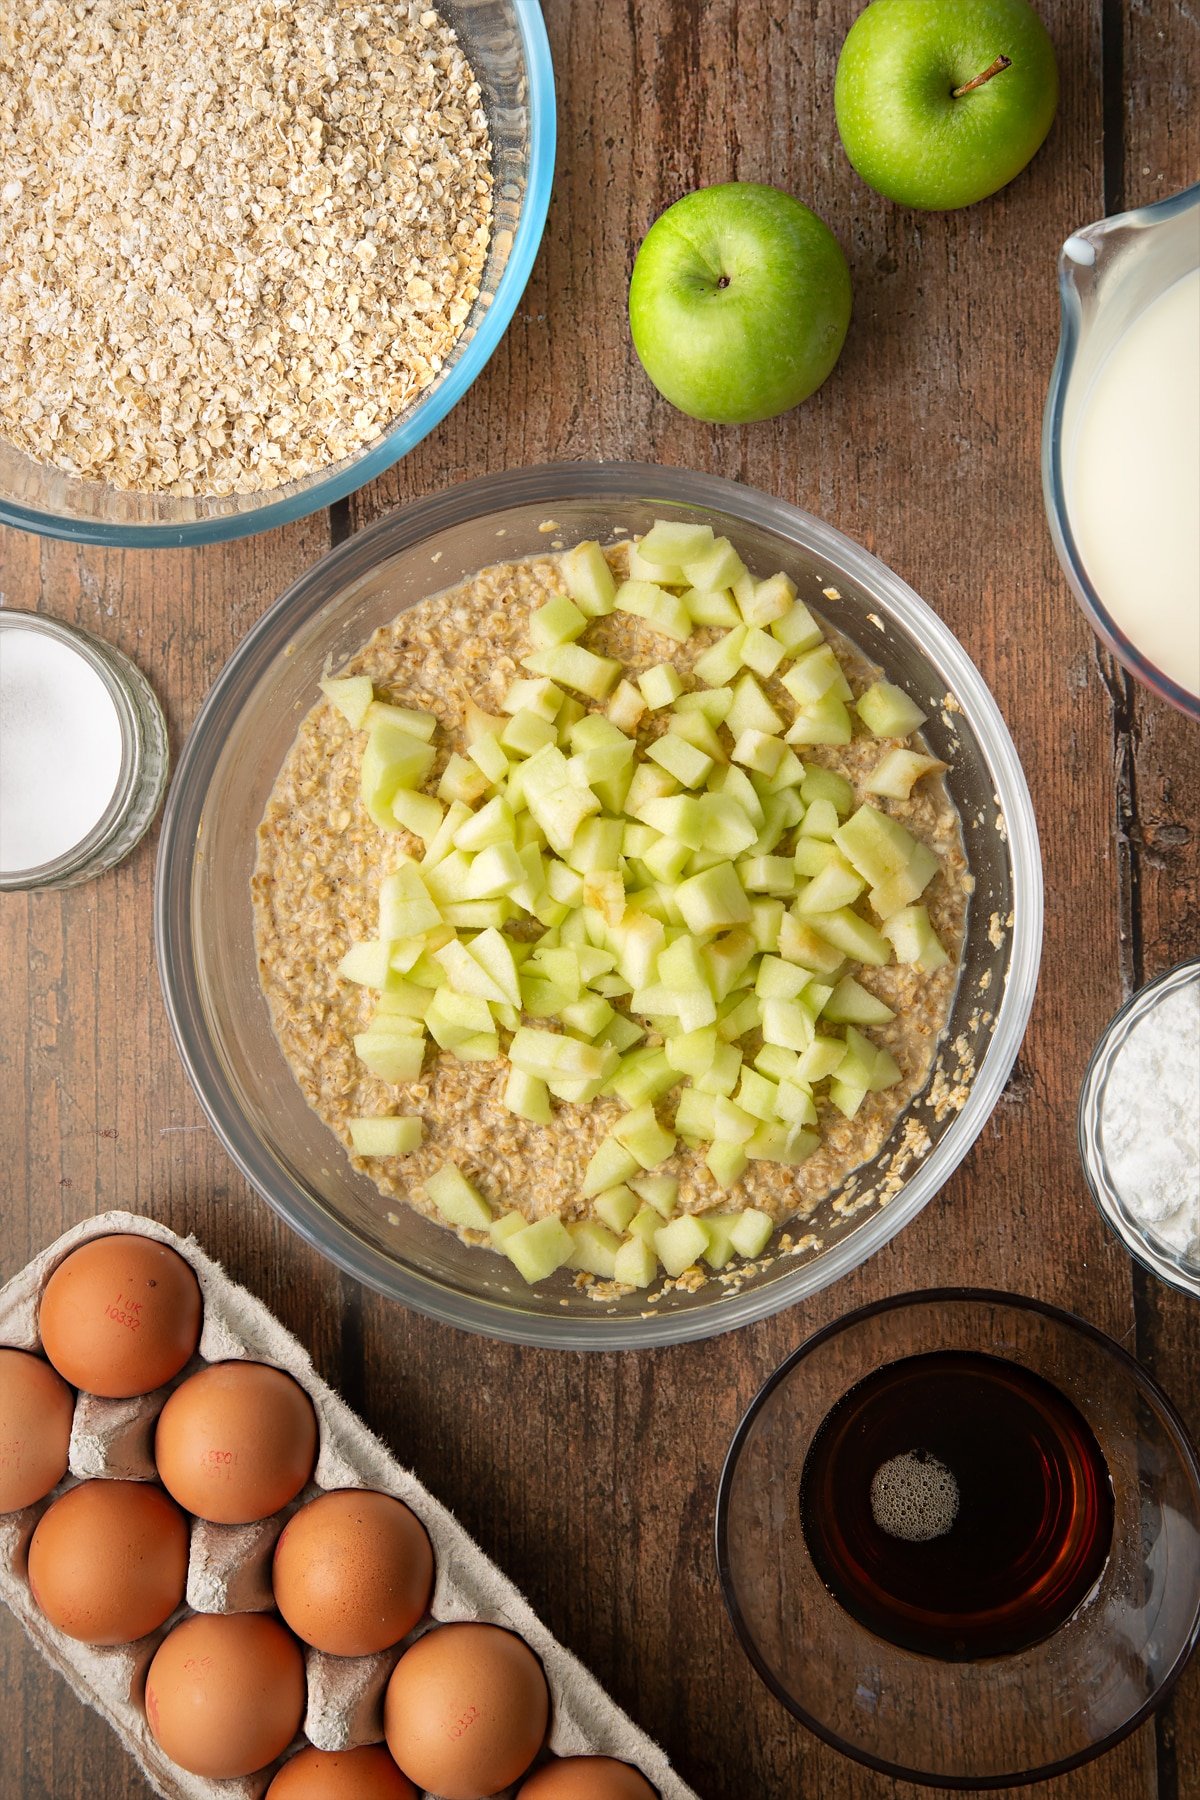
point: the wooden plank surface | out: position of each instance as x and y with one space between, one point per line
592 1480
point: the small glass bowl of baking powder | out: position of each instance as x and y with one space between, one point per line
83 753
1139 1126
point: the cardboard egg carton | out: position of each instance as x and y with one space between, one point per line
229 1567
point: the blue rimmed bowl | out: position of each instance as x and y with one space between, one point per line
506 43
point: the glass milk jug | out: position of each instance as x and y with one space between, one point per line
1121 442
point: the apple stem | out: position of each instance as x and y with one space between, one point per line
968 87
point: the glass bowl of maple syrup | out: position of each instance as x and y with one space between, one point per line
958 1534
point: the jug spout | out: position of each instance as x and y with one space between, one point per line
1120 464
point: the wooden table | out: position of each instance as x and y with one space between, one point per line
592 1479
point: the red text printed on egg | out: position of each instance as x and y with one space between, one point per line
124 1312
461 1726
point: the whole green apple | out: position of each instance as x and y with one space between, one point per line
739 303
941 102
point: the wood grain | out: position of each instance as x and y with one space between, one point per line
592 1480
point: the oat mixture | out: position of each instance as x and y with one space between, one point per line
316 891
236 239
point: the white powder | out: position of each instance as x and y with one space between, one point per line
60 747
1150 1121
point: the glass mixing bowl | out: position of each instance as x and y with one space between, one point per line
506 43
1116 1207
204 925
998 1721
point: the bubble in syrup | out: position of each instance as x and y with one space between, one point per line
914 1497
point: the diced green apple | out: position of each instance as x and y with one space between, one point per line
823 721
760 751
571 666
419 813
640 1133
556 622
611 1165
385 1136
351 695
524 735
719 567
393 759
752 1233
720 1250
540 1249
405 907
681 759
852 1004
713 703
616 1206
636 1264
527 1097
674 542
751 710
626 707
462 781
852 936
661 611
897 772
595 1249
768 602
659 1191
711 606
726 1163
713 900
505 1227
914 940
761 652
821 1059
837 886
719 664
457 1200
645 1223
681 1244
847 1099
417 724
367 964
588 579
797 630
887 711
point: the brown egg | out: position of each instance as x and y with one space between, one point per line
236 1442
36 1410
366 1774
587 1778
353 1572
120 1316
466 1710
225 1693
108 1561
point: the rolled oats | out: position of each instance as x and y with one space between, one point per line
236 240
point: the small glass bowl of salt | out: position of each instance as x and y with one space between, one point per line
83 753
1139 1126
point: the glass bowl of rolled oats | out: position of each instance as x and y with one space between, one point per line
253 253
582 1065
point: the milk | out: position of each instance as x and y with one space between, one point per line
1133 483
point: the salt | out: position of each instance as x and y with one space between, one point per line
60 746
1150 1121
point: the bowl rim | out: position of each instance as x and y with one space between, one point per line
1133 1237
400 529
1054 484
892 1303
429 410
